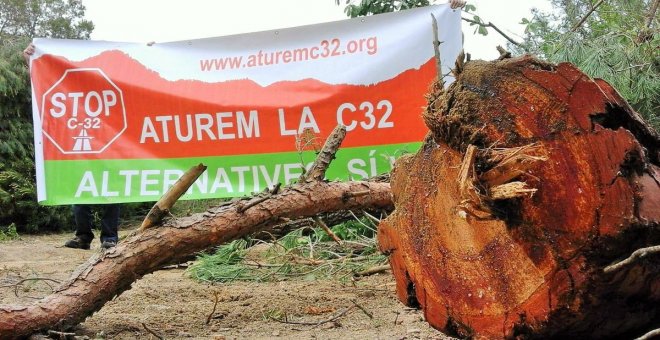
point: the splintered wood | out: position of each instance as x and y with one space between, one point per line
534 179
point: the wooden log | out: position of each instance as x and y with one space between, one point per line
529 266
109 273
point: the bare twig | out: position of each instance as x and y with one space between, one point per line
490 24
258 199
176 266
634 66
364 310
60 335
371 217
584 18
436 49
575 27
327 230
326 155
31 279
316 324
165 203
160 337
373 270
650 335
651 14
19 283
362 223
636 255
215 304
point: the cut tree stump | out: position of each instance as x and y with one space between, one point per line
533 179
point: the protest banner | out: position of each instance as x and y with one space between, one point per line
120 122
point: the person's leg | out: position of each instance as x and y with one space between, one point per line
82 214
110 223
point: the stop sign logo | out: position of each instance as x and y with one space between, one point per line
83 112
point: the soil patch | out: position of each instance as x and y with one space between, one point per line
175 306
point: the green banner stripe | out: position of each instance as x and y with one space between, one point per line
140 180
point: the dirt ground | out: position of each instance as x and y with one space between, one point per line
172 305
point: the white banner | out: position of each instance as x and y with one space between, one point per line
117 122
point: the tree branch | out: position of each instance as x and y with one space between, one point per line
108 274
651 15
373 270
652 334
490 24
327 230
436 49
215 304
584 18
326 155
637 254
160 337
165 203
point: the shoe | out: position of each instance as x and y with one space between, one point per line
77 243
108 244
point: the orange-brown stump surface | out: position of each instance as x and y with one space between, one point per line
533 180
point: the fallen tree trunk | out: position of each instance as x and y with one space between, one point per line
111 272
533 181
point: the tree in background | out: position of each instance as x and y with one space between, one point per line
19 22
616 40
44 18
368 7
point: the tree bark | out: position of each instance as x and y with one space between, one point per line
109 273
513 242
165 203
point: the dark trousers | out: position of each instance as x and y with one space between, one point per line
82 213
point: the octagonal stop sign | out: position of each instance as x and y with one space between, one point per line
83 112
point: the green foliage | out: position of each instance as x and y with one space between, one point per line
17 185
480 25
618 42
44 18
9 233
308 256
19 22
350 230
362 8
224 265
